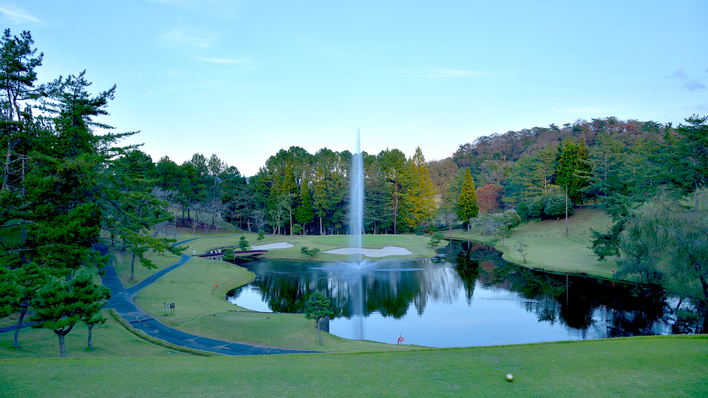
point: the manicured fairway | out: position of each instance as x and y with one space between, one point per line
635 367
550 249
201 309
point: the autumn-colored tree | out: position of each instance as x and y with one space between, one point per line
421 191
488 197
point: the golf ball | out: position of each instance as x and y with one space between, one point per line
509 377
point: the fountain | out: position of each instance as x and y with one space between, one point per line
356 204
356 229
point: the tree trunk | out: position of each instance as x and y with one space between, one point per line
25 306
132 268
321 233
62 347
319 334
291 220
61 333
6 171
704 284
90 335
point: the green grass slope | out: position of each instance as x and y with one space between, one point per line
550 249
628 367
109 340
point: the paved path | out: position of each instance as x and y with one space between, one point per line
123 301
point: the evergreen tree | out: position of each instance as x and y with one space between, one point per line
467 207
581 174
566 165
687 152
24 283
321 200
377 203
60 305
574 170
608 162
317 308
17 79
94 297
304 214
393 165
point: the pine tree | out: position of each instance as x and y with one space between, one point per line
467 207
60 305
688 156
317 308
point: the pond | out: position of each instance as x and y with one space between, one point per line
471 297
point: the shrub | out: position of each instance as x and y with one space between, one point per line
536 208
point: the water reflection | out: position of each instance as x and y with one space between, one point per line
471 297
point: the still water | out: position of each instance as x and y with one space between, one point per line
471 297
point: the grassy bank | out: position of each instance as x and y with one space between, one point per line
646 367
550 249
109 340
201 309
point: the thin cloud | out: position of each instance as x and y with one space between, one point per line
221 60
16 14
679 74
579 110
694 85
187 39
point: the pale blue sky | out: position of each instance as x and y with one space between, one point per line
244 79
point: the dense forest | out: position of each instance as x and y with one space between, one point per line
69 190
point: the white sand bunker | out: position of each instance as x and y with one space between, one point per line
386 251
270 246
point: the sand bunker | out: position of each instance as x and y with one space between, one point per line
386 251
271 246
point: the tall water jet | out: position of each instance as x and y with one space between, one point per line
356 200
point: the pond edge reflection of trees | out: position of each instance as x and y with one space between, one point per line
580 302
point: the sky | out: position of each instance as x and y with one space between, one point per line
244 79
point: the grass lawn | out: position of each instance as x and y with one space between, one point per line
632 367
201 309
550 249
417 245
121 261
109 340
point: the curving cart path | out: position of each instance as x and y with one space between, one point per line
123 301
